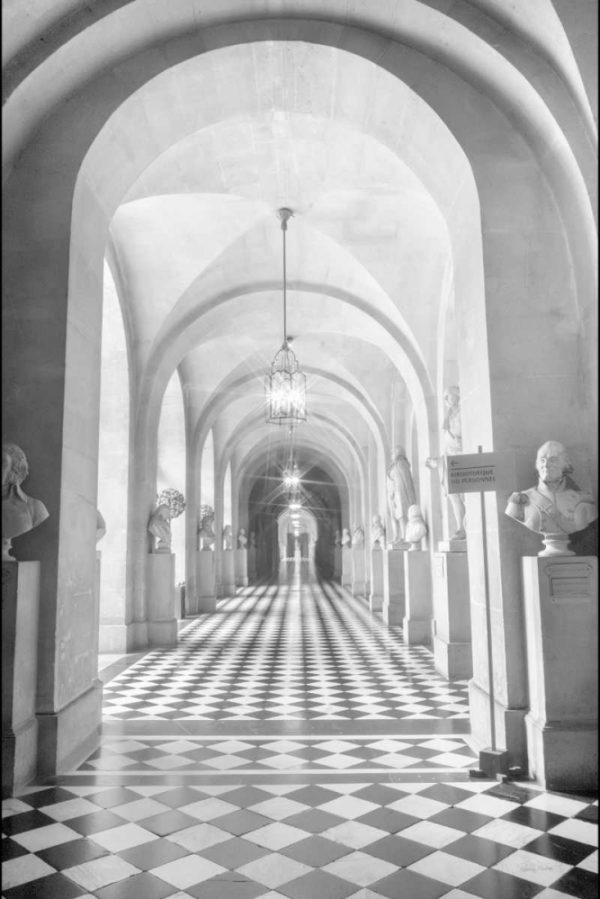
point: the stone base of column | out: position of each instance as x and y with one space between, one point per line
394 606
376 593
227 586
160 591
510 725
452 615
20 610
337 562
561 622
241 567
206 596
359 586
347 568
251 564
67 737
453 660
417 591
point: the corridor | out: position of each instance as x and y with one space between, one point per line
290 747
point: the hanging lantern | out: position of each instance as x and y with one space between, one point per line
285 385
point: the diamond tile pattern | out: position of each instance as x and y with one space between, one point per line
347 666
166 816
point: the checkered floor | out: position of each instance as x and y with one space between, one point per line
304 776
285 655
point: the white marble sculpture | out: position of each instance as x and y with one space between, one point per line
20 513
416 529
358 537
555 507
400 493
377 532
206 534
169 504
451 445
242 540
346 539
227 536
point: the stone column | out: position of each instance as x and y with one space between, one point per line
394 606
358 586
376 594
241 567
206 596
561 623
228 572
347 567
417 591
160 581
20 611
451 615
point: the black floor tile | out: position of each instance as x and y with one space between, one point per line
313 795
410 884
588 814
140 886
47 797
239 823
460 819
220 887
315 851
153 854
24 821
379 793
498 885
445 793
388 819
398 850
113 797
560 849
317 883
234 853
94 822
313 820
579 883
11 850
167 822
75 852
533 817
177 797
247 796
54 886
479 850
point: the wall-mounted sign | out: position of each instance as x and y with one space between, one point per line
481 472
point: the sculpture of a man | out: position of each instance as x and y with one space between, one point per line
451 445
416 529
555 507
206 534
346 539
400 492
227 537
20 513
358 537
242 540
169 504
377 532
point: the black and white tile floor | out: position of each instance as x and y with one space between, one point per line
304 773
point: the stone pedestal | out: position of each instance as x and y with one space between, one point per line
160 591
227 587
451 615
337 562
347 567
417 592
251 564
393 608
206 596
560 595
376 592
20 609
241 567
358 586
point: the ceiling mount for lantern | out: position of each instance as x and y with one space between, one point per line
285 385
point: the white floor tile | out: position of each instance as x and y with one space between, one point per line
360 869
445 867
187 871
101 872
533 867
23 869
45 837
274 870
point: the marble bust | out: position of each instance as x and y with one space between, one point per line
400 493
169 504
20 513
358 537
555 507
377 532
451 445
345 539
416 529
227 536
242 540
206 534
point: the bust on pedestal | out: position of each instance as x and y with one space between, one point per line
162 617
20 513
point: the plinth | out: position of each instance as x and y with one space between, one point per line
337 562
417 592
358 572
452 650
376 592
20 610
227 587
206 581
347 567
251 564
160 592
241 567
393 586
561 621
